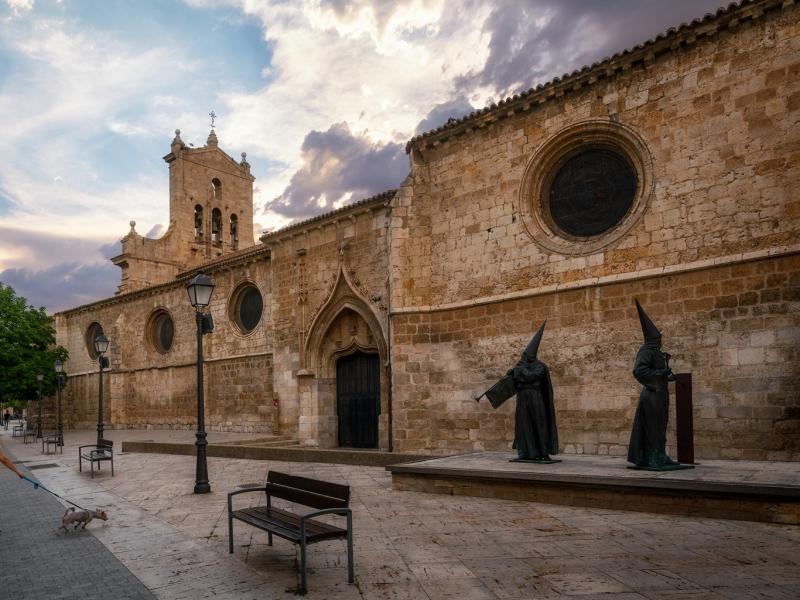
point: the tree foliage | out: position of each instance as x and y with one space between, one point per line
27 348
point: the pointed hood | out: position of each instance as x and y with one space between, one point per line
649 331
532 349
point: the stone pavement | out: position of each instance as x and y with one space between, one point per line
36 562
411 545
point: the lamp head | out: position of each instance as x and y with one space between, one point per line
101 344
200 289
39 377
58 366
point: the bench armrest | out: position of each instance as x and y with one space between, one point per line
237 492
326 511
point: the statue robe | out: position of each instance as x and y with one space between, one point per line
648 442
535 431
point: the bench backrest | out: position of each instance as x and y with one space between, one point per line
101 444
308 492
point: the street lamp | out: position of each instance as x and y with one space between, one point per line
200 289
59 368
100 346
39 378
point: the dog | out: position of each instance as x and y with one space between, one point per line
81 518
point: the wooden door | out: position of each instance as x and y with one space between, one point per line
358 399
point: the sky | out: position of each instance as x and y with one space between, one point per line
321 94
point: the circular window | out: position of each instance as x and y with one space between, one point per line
591 193
585 187
161 331
95 329
247 307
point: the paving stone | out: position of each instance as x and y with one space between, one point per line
408 545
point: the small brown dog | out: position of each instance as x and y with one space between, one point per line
81 518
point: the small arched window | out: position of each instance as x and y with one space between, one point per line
198 221
216 189
216 225
234 231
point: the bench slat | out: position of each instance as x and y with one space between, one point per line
303 497
314 486
287 525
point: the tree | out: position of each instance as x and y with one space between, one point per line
27 348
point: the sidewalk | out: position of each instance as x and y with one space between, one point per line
408 545
39 563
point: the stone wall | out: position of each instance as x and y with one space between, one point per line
719 120
146 388
716 121
735 328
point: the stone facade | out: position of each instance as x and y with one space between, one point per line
445 279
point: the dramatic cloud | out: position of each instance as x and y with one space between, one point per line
339 167
441 113
532 42
64 285
59 271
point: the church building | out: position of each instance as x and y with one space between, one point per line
668 173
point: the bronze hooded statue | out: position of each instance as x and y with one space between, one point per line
648 444
535 431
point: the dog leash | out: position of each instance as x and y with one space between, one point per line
37 485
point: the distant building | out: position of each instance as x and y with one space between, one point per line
667 173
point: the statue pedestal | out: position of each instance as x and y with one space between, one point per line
664 468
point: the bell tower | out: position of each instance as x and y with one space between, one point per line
210 215
210 201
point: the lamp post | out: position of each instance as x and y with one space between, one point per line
59 368
200 289
100 346
39 378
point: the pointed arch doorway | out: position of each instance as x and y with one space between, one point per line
358 399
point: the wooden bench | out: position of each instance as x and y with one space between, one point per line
103 450
302 529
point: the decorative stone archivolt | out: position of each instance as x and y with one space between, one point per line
606 154
342 314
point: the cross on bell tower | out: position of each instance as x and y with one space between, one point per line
213 116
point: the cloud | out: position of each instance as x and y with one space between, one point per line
64 285
156 231
532 42
38 250
19 7
339 167
441 113
377 66
58 272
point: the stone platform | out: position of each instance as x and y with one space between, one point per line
270 449
742 490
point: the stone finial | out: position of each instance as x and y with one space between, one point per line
133 226
212 139
177 142
244 162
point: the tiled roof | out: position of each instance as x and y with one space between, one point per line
668 41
